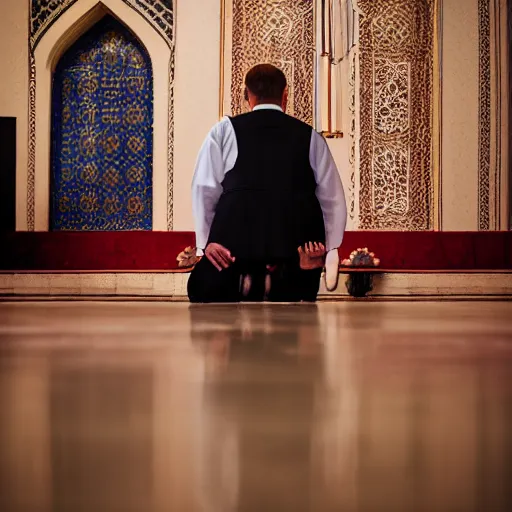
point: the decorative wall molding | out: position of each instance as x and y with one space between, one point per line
396 62
437 117
43 14
352 105
170 148
493 143
160 14
484 113
31 162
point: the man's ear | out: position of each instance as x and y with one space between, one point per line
246 94
284 100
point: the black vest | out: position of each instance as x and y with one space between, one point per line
268 207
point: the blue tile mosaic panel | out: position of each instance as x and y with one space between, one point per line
102 133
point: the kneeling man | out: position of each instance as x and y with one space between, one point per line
268 203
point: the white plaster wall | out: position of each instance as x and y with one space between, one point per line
340 150
14 85
459 161
196 95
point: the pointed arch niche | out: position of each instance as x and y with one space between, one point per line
59 37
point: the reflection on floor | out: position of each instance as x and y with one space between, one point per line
353 407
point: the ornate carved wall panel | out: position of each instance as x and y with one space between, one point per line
43 13
280 32
396 59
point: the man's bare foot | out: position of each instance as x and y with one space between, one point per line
187 258
312 256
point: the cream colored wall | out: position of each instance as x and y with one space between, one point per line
196 94
340 147
14 86
459 161
196 102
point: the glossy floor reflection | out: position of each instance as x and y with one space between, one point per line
353 407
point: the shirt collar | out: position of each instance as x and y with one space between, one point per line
267 106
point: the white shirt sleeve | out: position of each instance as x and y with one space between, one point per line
329 191
216 156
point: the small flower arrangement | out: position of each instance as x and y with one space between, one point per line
360 283
187 258
361 258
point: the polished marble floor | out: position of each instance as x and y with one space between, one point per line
340 407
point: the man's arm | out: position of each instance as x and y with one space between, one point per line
207 185
329 192
331 197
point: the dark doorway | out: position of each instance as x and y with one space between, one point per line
8 173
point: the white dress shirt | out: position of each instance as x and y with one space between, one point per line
218 156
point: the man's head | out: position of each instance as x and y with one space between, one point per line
265 83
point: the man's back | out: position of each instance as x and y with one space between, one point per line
268 207
273 151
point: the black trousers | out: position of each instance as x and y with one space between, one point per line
289 283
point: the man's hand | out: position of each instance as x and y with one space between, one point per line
312 256
219 256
